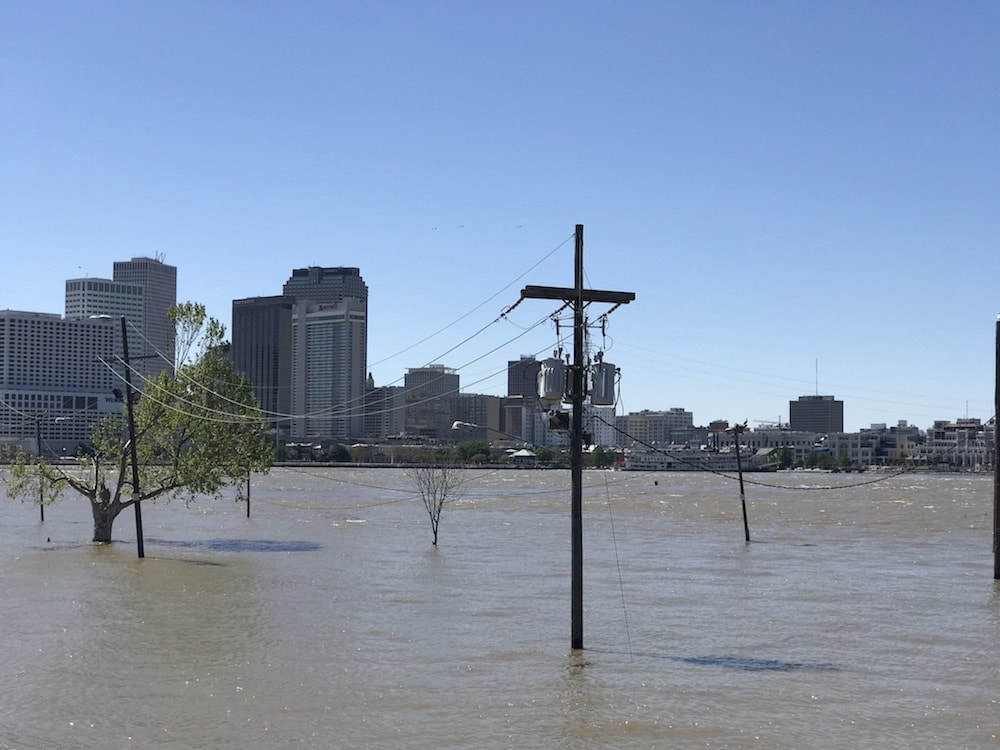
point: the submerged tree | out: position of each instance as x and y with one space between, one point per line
196 432
436 484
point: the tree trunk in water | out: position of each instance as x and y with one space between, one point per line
104 517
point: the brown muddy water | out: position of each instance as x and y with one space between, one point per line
862 616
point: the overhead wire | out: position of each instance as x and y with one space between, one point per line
729 476
477 307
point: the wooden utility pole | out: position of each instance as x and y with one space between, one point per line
577 297
38 451
736 430
996 460
129 405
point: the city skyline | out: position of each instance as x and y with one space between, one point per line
802 201
258 311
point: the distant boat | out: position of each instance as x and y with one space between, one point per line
692 459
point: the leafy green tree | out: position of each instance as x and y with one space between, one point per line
196 432
339 454
544 454
473 451
786 457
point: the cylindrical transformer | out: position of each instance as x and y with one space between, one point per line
551 381
602 392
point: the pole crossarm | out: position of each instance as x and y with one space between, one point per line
572 295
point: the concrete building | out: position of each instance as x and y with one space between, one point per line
478 409
656 427
428 409
327 285
329 352
328 375
385 410
154 350
89 297
521 411
262 350
965 444
823 414
57 379
601 424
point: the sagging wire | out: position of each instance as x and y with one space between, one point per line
479 306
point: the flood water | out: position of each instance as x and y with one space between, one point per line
861 616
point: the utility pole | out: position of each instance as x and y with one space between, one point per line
129 404
38 451
996 460
736 430
577 296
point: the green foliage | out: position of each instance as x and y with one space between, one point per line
544 454
819 460
786 457
196 433
339 454
602 458
472 451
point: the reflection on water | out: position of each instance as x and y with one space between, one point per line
862 616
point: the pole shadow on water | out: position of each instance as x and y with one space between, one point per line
734 662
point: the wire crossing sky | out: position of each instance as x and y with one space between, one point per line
803 197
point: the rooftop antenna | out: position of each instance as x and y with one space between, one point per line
817 376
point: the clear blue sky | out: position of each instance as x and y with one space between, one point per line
798 193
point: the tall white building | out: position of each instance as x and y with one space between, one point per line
56 378
328 369
329 352
92 297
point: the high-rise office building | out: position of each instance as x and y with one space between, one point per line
522 377
305 352
328 369
428 411
521 409
385 410
820 414
327 285
154 351
262 350
89 297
